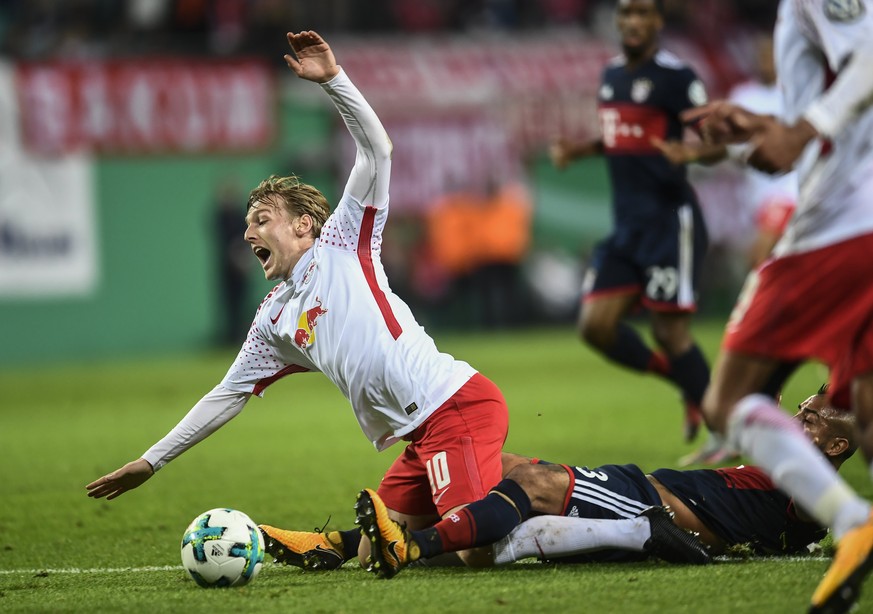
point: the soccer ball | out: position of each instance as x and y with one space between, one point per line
222 547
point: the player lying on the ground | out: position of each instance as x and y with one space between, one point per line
616 513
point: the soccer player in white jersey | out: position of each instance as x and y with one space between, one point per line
814 299
770 198
334 312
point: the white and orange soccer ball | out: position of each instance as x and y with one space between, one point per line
222 548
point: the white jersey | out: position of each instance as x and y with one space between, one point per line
337 315
813 40
758 188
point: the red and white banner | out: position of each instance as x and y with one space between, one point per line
440 153
146 106
538 89
464 114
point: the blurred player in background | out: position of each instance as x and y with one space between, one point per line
770 198
234 261
659 239
333 312
617 513
814 298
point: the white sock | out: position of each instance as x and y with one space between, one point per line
777 443
556 536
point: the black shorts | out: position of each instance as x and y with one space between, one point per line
611 492
659 260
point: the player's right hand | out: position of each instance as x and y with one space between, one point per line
314 61
722 122
121 480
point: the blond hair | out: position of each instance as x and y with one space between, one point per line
298 198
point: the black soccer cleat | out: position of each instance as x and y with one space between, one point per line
670 542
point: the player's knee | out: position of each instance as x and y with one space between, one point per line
545 486
672 333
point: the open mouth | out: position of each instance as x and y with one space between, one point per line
263 254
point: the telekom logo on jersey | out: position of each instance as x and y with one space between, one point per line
627 128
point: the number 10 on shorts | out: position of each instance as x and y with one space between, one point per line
438 472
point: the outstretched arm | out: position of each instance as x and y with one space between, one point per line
207 416
681 152
773 146
564 152
368 182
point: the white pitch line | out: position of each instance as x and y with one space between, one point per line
775 559
77 570
99 570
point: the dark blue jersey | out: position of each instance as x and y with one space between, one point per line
742 506
634 106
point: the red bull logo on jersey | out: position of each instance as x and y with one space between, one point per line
304 336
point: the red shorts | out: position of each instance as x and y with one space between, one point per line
815 305
454 458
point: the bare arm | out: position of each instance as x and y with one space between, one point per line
563 152
681 152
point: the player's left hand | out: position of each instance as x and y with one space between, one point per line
314 61
121 480
776 147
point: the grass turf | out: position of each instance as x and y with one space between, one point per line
297 457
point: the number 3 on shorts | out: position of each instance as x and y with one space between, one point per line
438 472
593 475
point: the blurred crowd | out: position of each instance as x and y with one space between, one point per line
43 29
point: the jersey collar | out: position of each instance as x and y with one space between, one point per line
298 273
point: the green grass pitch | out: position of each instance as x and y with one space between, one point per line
297 457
